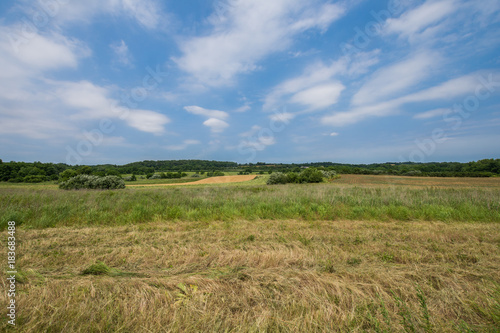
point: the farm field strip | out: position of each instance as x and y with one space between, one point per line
211 180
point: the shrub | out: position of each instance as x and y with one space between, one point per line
156 176
93 182
215 174
34 179
311 175
330 174
292 177
277 178
132 178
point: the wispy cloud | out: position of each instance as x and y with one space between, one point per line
183 145
248 32
445 91
432 113
197 110
122 54
147 13
397 78
423 17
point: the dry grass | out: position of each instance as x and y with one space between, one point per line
261 276
211 180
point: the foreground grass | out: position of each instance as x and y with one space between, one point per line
41 207
260 276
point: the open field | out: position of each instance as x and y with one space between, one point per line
361 254
211 180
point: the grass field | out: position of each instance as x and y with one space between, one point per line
361 254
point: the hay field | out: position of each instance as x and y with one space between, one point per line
211 180
361 254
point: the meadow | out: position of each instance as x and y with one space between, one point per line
360 254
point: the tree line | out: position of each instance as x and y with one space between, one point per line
39 172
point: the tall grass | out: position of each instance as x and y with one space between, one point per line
42 208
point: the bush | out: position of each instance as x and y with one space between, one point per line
215 174
331 174
277 178
132 178
34 179
156 176
309 175
93 182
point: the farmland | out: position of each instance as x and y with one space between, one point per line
362 253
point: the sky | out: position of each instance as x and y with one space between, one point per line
118 81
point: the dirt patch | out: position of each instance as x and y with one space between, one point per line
211 180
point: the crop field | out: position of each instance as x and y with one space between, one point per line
359 254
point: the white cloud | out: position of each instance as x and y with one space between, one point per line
206 112
183 145
251 132
36 107
431 113
320 96
247 32
122 54
39 53
447 90
461 86
216 118
422 17
334 134
259 143
147 121
89 101
314 76
147 13
396 78
284 117
216 125
317 87
243 108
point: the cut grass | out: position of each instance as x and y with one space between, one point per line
212 276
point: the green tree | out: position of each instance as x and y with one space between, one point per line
85 170
67 174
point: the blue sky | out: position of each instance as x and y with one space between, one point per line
117 81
